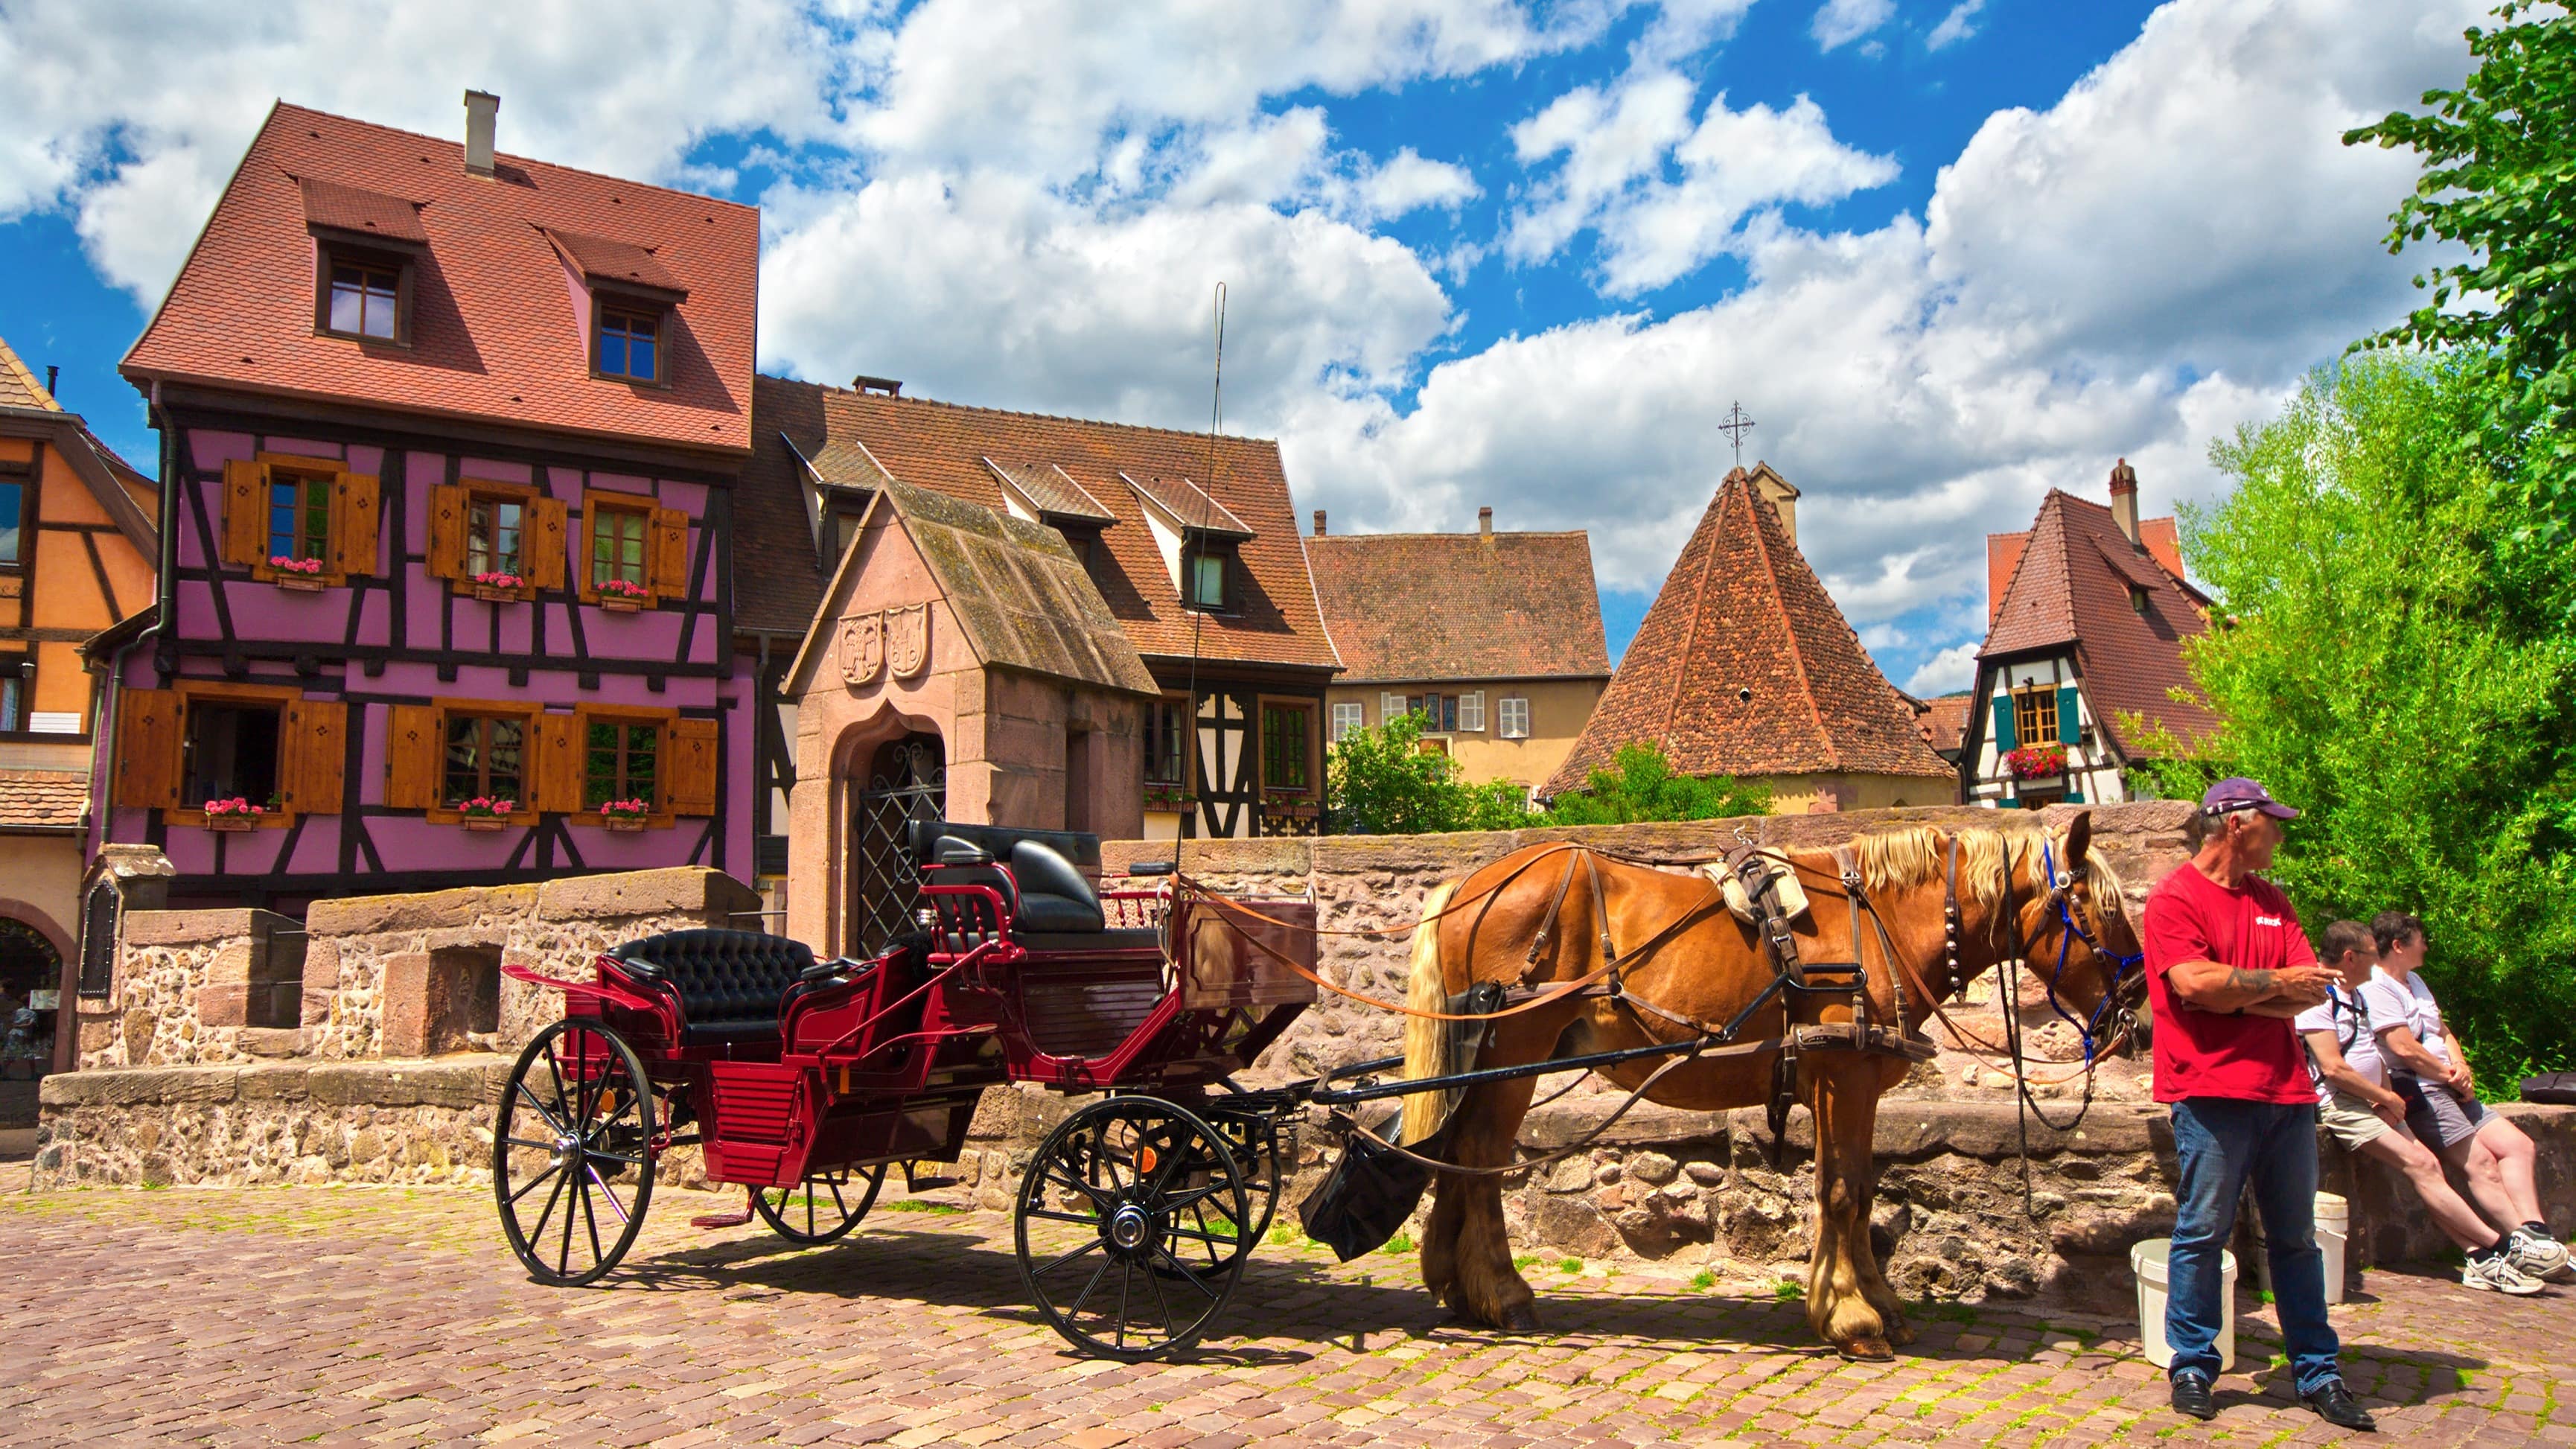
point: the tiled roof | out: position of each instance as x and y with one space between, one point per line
943 446
599 259
493 334
361 213
1407 607
43 799
2072 588
1190 505
19 387
1053 494
1745 667
1944 721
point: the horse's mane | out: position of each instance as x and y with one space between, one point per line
1920 855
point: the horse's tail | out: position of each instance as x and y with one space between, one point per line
1426 1037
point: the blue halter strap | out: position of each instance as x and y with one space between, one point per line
2120 965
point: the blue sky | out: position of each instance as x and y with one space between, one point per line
1949 255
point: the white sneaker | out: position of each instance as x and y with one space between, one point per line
2499 1275
2540 1257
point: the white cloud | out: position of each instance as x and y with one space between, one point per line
1840 22
1407 183
1665 195
1960 24
1946 672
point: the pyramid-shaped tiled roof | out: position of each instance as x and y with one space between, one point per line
2072 588
18 385
1744 667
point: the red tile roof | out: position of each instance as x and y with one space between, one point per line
1944 721
1745 667
19 387
361 213
494 334
2072 589
853 438
1417 607
43 799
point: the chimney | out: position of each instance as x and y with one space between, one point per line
2124 500
1319 523
52 372
1485 522
482 109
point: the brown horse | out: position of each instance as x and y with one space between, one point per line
1527 920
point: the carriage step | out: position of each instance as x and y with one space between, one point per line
712 1221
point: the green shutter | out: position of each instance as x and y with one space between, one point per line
2073 797
2068 729
2003 723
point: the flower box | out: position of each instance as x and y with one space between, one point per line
620 604
622 822
232 822
495 593
483 822
2036 763
300 583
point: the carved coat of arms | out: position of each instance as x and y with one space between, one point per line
862 647
908 639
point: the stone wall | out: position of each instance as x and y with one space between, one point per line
379 973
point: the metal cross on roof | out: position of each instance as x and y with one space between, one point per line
1735 426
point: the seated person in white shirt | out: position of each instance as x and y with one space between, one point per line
2356 1104
2428 1068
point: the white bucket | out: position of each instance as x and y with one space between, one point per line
2147 1260
2333 1225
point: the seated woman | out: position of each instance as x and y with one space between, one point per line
2429 1069
2366 1115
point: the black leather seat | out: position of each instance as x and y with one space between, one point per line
1054 898
731 984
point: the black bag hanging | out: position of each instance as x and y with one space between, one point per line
1372 1192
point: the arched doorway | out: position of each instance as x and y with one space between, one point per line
906 781
31 980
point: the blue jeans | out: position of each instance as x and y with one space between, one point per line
2224 1142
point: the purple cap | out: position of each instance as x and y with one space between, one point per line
2240 793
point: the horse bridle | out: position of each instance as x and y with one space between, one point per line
2061 890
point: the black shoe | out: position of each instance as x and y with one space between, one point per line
2335 1404
2191 1396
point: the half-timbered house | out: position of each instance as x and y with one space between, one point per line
2081 678
448 447
77 540
1191 543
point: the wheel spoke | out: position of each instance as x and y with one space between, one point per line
1194 1280
1056 1217
1126 1280
551 1169
1171 1327
1061 1259
551 1119
539 1236
590 1221
610 1193
523 1142
1085 1295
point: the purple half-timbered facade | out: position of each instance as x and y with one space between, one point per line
446 586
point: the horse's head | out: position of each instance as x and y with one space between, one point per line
2076 934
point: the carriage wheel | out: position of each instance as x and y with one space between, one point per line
572 1152
1159 1228
1254 1138
824 1207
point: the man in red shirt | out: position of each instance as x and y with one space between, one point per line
2227 969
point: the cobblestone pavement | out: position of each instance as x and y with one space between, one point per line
383 1316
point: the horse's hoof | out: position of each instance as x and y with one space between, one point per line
1900 1332
1866 1350
1520 1318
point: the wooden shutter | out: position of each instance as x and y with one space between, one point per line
447 513
147 749
541 545
316 754
245 514
2003 723
669 554
689 775
554 774
413 754
353 523
2070 730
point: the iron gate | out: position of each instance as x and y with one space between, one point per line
908 781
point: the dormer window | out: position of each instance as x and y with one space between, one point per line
1208 581
365 301
367 248
629 344
633 302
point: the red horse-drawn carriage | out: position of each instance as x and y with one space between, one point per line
805 1080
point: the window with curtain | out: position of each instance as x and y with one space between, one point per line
619 762
1284 731
1167 726
492 527
617 544
486 758
299 515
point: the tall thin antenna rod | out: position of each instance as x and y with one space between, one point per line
1189 575
1735 425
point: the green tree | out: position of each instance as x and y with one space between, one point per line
2372 676
2499 179
1641 784
1381 782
